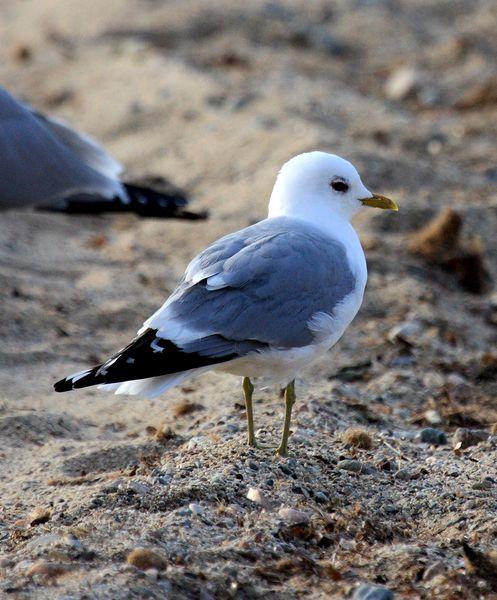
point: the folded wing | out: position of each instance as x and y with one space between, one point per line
251 291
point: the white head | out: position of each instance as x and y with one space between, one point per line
315 185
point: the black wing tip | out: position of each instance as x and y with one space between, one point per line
64 385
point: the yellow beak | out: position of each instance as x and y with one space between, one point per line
380 202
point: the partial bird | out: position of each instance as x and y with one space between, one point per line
46 163
265 301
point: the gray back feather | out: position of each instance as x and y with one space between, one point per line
43 161
269 280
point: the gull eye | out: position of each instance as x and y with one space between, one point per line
339 186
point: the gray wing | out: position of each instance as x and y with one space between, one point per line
43 161
81 144
250 291
262 284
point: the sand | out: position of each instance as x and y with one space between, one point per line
216 96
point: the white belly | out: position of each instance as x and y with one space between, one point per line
281 366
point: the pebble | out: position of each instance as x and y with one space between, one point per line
38 516
464 438
433 380
164 479
256 495
433 417
403 475
402 83
152 574
139 488
456 380
372 592
484 484
196 442
355 466
407 331
292 516
195 508
321 498
430 435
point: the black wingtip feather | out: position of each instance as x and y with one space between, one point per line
148 197
146 356
64 385
158 197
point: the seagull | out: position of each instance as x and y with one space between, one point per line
44 162
265 301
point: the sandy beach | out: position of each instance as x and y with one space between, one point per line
391 476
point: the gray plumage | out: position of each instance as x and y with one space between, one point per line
43 160
251 291
261 284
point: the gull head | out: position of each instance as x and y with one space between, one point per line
316 184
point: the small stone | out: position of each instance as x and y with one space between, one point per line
354 466
196 442
433 417
195 508
139 488
484 485
456 380
433 380
464 438
350 465
403 475
402 84
407 332
38 516
152 574
433 436
256 495
372 592
292 516
145 558
321 498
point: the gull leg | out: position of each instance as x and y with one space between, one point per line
248 390
289 402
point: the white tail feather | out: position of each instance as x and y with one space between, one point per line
150 387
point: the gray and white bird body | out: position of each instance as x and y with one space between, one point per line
265 301
44 162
